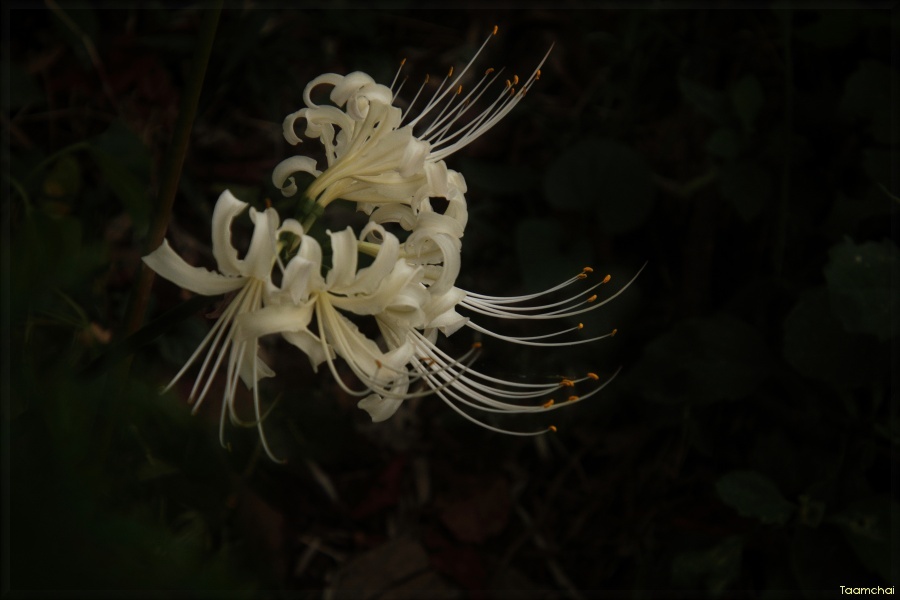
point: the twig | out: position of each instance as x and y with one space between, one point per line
88 46
173 164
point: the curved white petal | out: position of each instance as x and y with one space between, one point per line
343 259
273 319
285 169
227 208
252 367
379 408
310 345
261 255
169 265
325 79
368 278
301 278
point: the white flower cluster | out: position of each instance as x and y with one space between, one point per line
391 165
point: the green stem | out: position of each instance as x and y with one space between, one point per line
119 409
174 162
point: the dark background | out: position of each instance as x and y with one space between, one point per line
747 447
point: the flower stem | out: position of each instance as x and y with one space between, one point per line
113 420
172 166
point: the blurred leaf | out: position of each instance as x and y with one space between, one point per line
747 99
74 22
870 530
705 100
748 186
861 280
499 179
867 96
603 176
64 179
811 511
879 164
147 334
125 164
714 568
818 346
702 360
724 143
833 29
23 91
51 256
753 495
848 212
867 88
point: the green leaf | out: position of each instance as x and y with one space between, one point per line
867 96
753 495
702 361
878 164
861 280
146 334
870 531
817 345
714 568
603 176
125 163
833 29
748 186
64 179
23 91
724 143
75 23
705 100
747 99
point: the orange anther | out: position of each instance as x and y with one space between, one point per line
581 326
495 30
403 62
515 80
537 74
573 398
592 298
552 428
489 71
587 270
566 383
508 83
459 90
476 346
593 376
427 78
606 279
268 203
581 276
549 403
613 332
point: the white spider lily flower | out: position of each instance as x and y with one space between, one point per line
388 285
247 281
459 385
378 154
